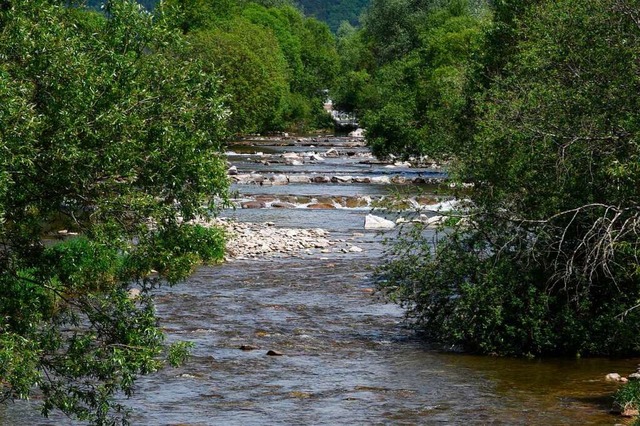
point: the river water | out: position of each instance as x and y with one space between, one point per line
342 355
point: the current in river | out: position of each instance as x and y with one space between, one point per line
305 340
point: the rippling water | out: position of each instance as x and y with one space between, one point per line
342 355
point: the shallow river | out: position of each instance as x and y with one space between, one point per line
342 355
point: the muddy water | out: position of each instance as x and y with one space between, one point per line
340 355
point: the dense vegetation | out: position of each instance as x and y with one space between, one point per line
110 142
112 123
275 64
335 12
332 12
533 103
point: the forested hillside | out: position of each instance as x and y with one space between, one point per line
333 12
148 4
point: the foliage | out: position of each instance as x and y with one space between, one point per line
549 264
107 133
627 397
335 12
253 71
406 73
275 63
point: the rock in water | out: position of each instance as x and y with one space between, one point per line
613 377
376 222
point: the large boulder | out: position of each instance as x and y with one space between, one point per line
376 222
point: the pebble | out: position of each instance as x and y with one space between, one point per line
263 240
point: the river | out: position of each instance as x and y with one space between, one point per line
340 355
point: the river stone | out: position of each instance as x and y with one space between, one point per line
265 198
445 206
425 200
376 222
381 180
274 353
325 200
320 179
353 202
279 180
435 221
341 179
299 179
399 180
248 348
634 376
612 377
134 293
322 243
232 171
355 249
332 153
361 179
253 205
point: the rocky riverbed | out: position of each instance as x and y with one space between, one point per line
265 240
297 283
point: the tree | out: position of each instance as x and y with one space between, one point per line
415 99
111 142
549 263
253 71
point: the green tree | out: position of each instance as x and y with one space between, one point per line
416 96
107 134
549 262
253 71
312 59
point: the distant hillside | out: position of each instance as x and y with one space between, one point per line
333 12
148 4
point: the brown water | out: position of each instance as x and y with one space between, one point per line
344 356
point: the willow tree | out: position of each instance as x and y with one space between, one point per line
109 144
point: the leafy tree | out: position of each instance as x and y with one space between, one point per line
107 134
253 71
278 30
412 63
193 15
310 51
549 261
